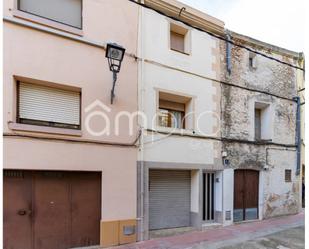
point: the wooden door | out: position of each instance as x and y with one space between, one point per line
51 209
17 209
246 192
86 208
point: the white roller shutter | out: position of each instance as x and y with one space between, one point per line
63 11
48 104
169 198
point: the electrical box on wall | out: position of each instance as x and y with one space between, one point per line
118 232
227 215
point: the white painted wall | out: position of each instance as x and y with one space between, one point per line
280 197
195 191
219 191
156 46
178 149
164 70
228 195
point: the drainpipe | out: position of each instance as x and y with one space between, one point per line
298 134
141 217
228 53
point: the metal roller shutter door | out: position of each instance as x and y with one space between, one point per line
169 198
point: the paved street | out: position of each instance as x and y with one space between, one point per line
278 233
292 238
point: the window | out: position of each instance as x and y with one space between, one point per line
179 38
262 122
257 123
172 111
48 106
252 60
288 175
67 12
171 118
177 42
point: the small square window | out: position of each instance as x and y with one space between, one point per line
288 175
179 38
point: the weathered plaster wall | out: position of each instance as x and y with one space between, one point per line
278 197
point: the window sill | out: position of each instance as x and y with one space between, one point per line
259 140
40 20
180 52
175 131
44 129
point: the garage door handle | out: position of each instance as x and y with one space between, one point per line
24 212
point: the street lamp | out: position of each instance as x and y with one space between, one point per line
114 54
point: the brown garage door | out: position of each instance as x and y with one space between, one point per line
51 210
246 194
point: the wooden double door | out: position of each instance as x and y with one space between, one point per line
246 195
51 209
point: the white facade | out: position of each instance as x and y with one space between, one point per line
165 70
186 77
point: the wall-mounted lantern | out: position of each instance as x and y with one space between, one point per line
114 54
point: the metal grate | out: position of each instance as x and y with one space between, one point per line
208 193
288 175
13 173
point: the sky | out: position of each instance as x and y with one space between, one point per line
279 22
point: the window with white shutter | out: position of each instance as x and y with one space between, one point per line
48 106
67 12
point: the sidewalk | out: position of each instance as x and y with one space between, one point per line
220 237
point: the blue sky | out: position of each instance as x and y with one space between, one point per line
279 22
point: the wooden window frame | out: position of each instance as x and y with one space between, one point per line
183 123
42 122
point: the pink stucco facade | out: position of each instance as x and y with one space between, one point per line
48 55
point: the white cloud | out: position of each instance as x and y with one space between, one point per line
279 22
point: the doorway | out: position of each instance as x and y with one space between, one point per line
246 195
169 198
51 209
208 196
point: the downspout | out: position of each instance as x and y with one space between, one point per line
298 134
228 53
141 217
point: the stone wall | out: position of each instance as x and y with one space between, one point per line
275 84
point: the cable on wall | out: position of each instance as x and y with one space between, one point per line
219 37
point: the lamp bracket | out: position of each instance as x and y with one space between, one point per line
114 84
